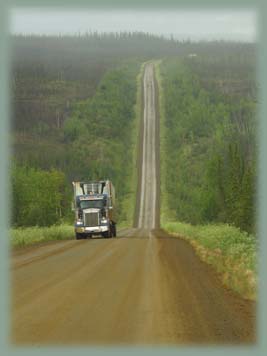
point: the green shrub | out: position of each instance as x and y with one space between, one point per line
39 197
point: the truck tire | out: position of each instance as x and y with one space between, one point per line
78 236
106 234
114 230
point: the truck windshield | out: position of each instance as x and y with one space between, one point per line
87 204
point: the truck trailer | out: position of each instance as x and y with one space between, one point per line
94 206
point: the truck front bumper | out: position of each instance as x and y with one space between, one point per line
91 229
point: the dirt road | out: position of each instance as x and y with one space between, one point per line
147 206
143 287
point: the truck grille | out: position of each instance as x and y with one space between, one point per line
91 219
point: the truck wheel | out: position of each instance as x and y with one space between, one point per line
106 234
109 233
114 230
78 236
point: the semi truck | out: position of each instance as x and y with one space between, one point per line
94 206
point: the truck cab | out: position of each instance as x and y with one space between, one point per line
94 209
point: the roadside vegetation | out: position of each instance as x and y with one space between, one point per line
25 236
208 137
210 150
39 197
231 252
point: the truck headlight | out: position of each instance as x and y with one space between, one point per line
79 222
104 220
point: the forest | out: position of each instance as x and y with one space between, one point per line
73 117
210 138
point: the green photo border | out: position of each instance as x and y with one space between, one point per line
5 348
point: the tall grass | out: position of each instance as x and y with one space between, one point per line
233 253
21 237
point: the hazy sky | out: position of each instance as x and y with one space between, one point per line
240 25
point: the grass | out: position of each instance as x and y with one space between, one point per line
163 196
233 253
165 213
21 237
